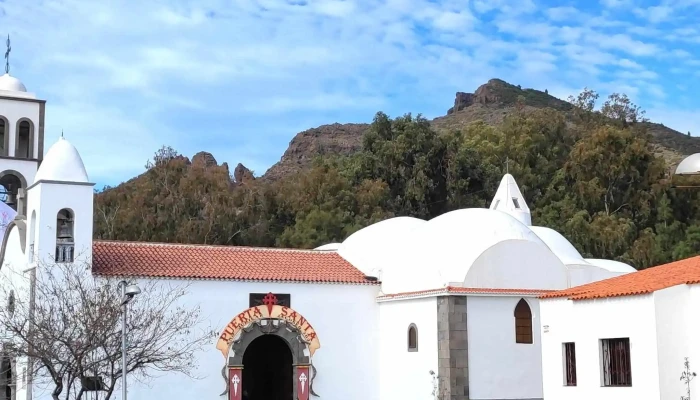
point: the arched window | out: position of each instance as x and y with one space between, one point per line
11 303
523 323
4 135
65 242
24 140
11 183
412 338
7 378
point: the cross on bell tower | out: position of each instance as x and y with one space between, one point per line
7 55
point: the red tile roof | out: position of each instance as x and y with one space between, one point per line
186 261
463 290
635 283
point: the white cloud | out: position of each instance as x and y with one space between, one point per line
615 3
233 75
655 14
627 63
562 13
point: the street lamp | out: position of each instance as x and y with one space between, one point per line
128 292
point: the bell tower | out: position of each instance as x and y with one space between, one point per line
510 200
21 138
60 208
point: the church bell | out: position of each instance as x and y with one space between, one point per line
65 230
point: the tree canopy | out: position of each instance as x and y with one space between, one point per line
590 173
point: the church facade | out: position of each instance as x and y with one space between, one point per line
402 309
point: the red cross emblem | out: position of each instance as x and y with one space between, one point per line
269 300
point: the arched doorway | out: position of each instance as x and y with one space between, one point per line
268 370
267 343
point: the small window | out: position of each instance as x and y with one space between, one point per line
11 304
616 365
569 364
412 338
523 323
516 203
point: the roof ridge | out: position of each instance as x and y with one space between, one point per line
211 246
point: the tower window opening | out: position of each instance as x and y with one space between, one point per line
24 143
7 378
10 185
4 126
516 203
65 242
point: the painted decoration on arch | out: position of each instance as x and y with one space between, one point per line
235 378
7 215
303 382
269 310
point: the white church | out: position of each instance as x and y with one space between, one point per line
398 307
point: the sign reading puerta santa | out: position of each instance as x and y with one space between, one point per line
271 311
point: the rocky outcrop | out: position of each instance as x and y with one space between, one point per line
333 139
462 101
242 175
206 158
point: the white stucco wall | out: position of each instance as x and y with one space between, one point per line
344 316
14 277
405 375
500 368
46 200
585 322
676 331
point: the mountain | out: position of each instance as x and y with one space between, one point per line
593 176
491 102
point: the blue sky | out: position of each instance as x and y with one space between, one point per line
239 78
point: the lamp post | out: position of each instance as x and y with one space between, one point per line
128 292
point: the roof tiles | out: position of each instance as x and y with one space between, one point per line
186 261
649 280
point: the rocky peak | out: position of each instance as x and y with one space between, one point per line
241 174
497 91
205 158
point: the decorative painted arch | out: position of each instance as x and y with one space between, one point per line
269 319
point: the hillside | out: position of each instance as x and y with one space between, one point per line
491 103
597 175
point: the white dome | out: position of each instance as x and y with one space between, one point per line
12 84
689 166
373 248
563 249
477 248
62 163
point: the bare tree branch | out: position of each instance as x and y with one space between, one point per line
73 331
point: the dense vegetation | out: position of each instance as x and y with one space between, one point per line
589 173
